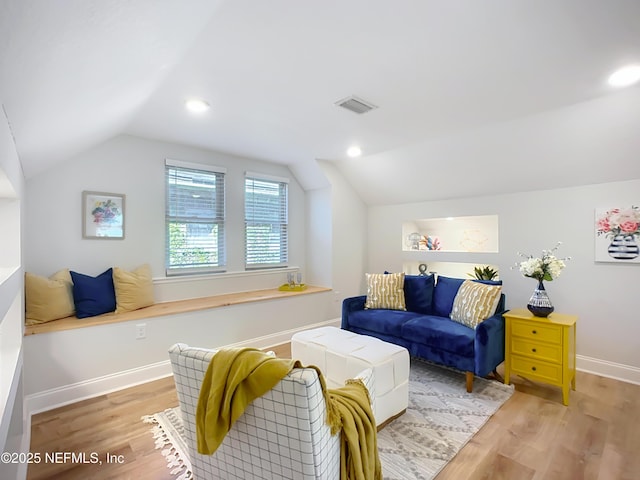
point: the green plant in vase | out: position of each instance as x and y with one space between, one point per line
484 273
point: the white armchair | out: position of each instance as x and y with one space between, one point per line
281 435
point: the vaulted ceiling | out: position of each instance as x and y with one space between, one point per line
473 96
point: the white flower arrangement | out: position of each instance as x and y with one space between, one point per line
548 267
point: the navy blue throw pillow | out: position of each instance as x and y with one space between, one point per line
418 293
444 294
93 295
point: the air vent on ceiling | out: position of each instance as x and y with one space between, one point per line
356 104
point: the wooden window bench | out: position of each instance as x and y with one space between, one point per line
169 308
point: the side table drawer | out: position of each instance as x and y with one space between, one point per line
537 369
545 333
542 351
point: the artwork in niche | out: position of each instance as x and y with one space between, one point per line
102 215
427 242
477 233
473 240
617 235
415 241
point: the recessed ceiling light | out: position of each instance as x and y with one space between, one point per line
196 105
625 76
354 151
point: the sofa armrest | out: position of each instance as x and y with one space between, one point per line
489 344
351 304
501 308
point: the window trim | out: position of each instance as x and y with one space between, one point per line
184 271
275 179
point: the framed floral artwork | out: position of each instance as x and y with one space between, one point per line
103 215
617 234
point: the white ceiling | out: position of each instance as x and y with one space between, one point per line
472 94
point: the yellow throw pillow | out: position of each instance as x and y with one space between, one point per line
385 291
48 299
475 302
134 289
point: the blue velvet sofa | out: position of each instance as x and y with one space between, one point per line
426 330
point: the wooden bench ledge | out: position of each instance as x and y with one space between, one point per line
168 308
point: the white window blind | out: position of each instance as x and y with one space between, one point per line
194 218
266 221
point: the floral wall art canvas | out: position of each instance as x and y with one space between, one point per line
617 234
102 215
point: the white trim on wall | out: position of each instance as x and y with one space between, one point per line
617 371
168 289
76 392
67 394
194 166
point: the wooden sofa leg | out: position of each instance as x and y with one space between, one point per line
469 381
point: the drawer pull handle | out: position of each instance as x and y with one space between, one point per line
533 368
534 331
533 350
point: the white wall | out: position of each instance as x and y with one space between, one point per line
348 237
318 241
603 295
14 428
135 167
65 366
336 237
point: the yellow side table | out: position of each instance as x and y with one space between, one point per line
542 349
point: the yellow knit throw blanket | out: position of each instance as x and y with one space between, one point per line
359 458
237 376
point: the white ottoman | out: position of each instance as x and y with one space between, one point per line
341 355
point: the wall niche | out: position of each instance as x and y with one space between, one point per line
452 234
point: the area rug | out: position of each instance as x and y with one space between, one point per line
440 419
168 433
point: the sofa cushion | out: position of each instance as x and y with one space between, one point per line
385 291
444 294
388 322
418 293
48 299
440 333
133 289
93 295
475 302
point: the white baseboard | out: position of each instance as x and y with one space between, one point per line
604 368
75 392
66 394
283 337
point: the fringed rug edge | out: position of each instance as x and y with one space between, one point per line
177 459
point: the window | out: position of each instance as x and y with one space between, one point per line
194 218
266 208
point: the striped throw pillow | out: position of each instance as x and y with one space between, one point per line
385 291
475 302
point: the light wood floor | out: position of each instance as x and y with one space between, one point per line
533 436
